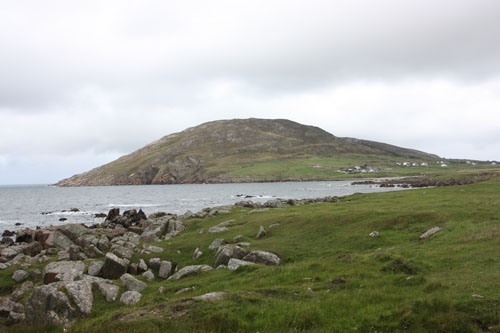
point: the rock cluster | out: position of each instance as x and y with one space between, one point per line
63 292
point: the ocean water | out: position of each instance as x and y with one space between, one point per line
44 205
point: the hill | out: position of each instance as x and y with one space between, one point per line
244 150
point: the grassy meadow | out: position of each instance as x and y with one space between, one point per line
333 276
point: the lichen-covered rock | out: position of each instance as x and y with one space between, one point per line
226 252
109 291
47 305
429 233
262 232
142 267
263 257
214 296
130 297
35 274
155 263
19 275
165 269
81 294
132 284
33 249
216 243
197 253
58 239
122 252
188 270
63 271
95 268
148 275
234 263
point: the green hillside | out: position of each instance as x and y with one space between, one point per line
251 150
333 276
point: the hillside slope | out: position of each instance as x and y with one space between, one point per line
229 151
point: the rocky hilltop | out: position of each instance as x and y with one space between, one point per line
215 152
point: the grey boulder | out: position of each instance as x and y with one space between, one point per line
130 297
132 284
234 263
263 257
19 275
63 271
188 270
165 269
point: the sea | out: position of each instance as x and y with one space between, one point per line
29 206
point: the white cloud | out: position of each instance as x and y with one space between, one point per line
104 78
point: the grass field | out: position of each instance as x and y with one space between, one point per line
333 276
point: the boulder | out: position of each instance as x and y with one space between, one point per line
48 305
131 283
122 252
155 263
114 267
7 241
15 318
217 229
95 268
197 253
113 214
374 234
11 252
148 275
188 270
226 252
24 236
59 240
152 248
142 267
263 257
81 294
132 269
429 233
63 271
216 243
165 269
73 231
18 292
214 296
108 290
42 236
130 297
35 274
6 306
19 275
237 239
33 249
262 232
8 233
234 263
274 225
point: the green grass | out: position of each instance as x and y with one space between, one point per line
334 277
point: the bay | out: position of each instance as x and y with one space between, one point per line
43 205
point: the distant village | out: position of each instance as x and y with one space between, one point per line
367 169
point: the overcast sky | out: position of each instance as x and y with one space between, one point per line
84 82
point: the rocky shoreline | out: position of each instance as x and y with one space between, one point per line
416 182
78 258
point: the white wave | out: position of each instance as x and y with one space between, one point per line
70 213
134 205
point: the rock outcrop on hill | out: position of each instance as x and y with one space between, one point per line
212 152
